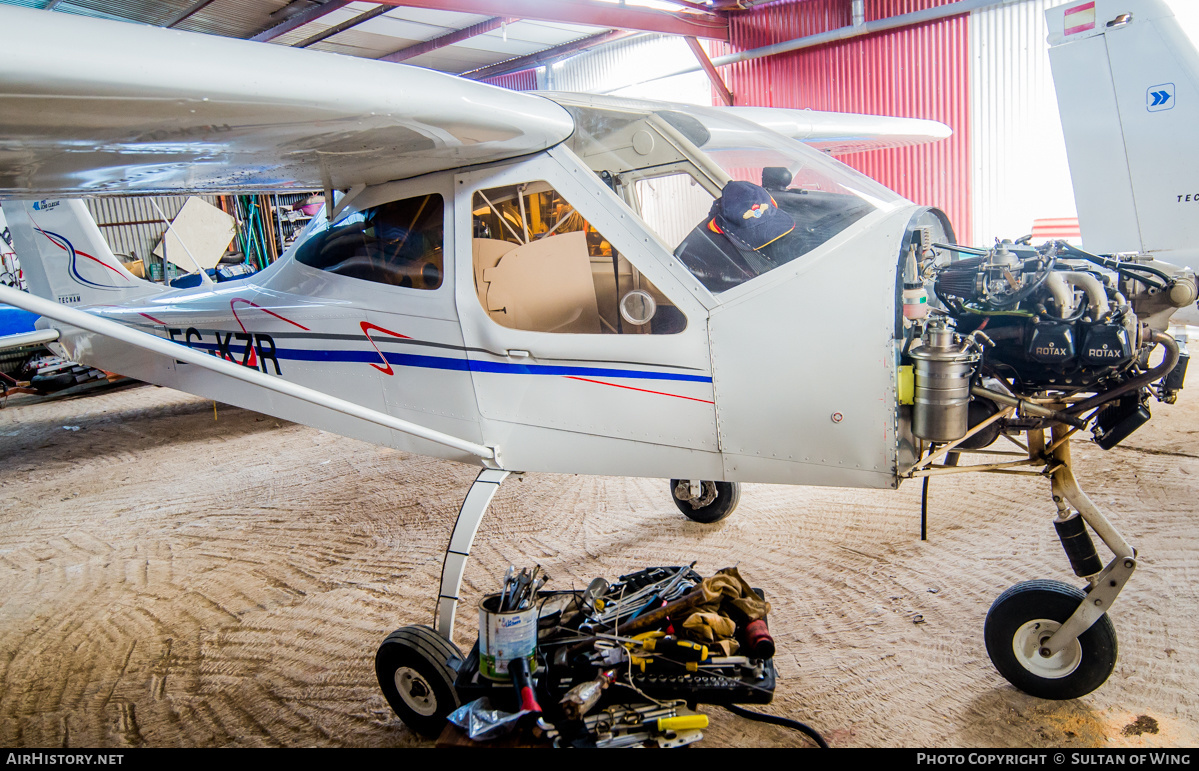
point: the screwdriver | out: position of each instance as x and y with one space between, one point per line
679 650
681 723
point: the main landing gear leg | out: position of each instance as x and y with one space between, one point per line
417 665
1048 638
469 516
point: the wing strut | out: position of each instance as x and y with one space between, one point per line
164 347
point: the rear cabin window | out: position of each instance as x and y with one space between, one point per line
540 266
398 243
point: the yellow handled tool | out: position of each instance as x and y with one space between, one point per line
682 723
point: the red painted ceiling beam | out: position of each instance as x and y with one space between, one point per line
588 13
299 20
448 39
722 90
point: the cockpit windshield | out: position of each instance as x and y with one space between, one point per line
673 163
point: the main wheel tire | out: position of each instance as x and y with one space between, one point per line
727 495
1026 615
416 668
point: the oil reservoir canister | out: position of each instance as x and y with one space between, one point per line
945 365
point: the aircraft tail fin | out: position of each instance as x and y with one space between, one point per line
64 256
1127 81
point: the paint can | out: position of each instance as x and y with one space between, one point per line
504 636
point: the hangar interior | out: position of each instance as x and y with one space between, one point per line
187 569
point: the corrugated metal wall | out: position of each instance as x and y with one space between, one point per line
525 80
1019 155
132 226
916 72
625 68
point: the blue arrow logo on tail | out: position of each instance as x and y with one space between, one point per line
1160 97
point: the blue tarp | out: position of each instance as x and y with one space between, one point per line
14 320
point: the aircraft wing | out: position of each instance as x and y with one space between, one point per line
839 133
89 107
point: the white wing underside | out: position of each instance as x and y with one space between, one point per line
840 133
91 107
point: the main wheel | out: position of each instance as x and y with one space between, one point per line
1023 618
416 668
716 501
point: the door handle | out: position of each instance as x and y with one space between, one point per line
516 353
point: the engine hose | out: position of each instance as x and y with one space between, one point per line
1123 268
762 717
1082 309
1161 370
962 249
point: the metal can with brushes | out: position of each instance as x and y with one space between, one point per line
504 636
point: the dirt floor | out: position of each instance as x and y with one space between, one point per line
175 577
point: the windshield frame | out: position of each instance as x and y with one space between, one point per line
709 141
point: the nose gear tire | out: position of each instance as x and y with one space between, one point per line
1028 614
416 670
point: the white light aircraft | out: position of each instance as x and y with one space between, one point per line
573 283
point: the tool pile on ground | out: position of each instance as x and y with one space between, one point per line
622 664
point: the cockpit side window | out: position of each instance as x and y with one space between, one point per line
807 217
398 243
540 266
671 205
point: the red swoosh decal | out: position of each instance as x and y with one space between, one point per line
366 328
98 261
252 361
264 310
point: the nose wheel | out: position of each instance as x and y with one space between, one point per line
705 501
1024 618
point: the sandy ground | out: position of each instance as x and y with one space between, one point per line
173 580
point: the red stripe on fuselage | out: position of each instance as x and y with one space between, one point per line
642 390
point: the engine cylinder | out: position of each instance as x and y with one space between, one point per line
944 368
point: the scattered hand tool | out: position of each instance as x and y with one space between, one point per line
758 641
673 648
580 700
520 589
507 584
657 596
596 589
522 680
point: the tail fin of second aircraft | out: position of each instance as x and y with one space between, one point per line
65 258
1127 80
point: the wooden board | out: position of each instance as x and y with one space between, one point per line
206 231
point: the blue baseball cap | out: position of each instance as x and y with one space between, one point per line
748 215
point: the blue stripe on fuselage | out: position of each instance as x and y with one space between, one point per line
465 365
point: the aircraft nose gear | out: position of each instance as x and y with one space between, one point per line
1048 638
705 501
1022 621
